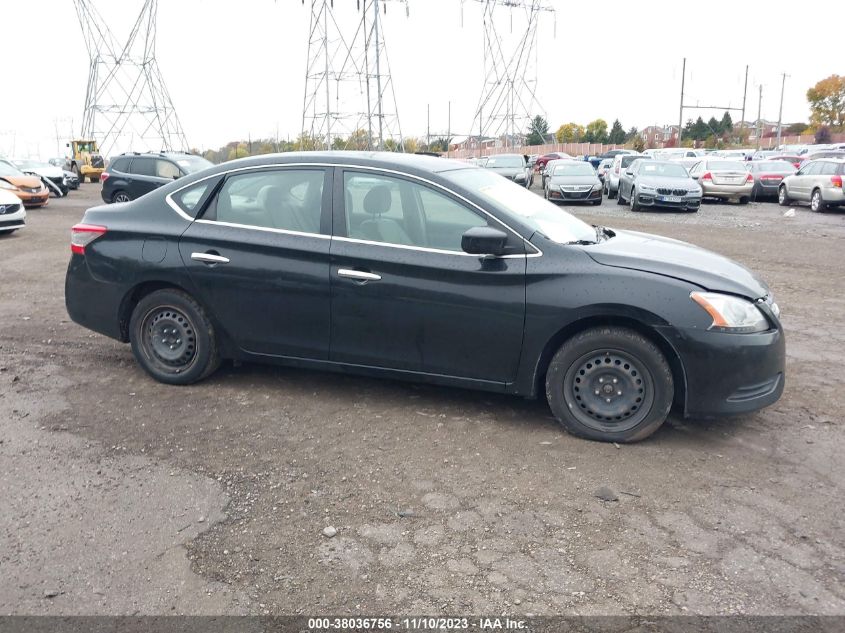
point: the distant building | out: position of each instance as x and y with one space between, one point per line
659 135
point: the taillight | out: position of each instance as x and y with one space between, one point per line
836 181
749 178
771 177
81 235
104 176
707 176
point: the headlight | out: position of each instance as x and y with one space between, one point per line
597 186
730 313
7 185
645 188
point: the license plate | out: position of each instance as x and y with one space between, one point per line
670 198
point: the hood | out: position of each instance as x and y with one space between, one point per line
46 172
574 180
660 182
32 182
673 258
508 172
7 197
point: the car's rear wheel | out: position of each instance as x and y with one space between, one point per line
120 196
743 200
172 338
619 198
610 384
817 202
783 197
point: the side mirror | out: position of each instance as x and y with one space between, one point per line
629 173
483 240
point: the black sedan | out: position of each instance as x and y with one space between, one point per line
431 270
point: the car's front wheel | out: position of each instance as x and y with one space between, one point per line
172 338
635 206
610 384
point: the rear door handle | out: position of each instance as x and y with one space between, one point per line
209 258
360 275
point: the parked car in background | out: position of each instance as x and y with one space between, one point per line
511 166
572 181
656 183
612 327
45 171
12 212
31 191
604 165
532 160
132 175
71 179
764 154
794 159
733 154
621 162
544 173
724 179
818 182
545 158
826 153
678 153
768 174
611 153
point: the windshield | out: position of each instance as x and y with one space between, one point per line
627 159
573 169
30 164
726 165
191 164
505 161
7 169
541 215
778 166
670 170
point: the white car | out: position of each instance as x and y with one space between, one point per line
52 176
12 213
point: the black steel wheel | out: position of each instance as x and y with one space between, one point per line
610 384
172 338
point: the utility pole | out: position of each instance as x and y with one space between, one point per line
681 115
378 77
759 114
744 95
428 127
780 110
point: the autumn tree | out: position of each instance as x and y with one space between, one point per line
827 102
596 131
569 133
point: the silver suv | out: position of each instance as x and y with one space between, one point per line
621 162
818 182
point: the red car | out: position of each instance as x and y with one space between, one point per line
540 165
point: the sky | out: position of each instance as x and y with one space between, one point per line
237 69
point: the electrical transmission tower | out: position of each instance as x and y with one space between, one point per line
127 104
508 100
349 100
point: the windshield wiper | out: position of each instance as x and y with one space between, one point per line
583 242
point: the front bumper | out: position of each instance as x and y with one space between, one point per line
12 221
575 196
30 199
686 203
726 192
729 374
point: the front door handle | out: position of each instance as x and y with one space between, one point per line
209 258
359 275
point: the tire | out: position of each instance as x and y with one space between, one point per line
817 203
120 196
187 352
783 197
610 194
644 387
634 205
619 199
743 200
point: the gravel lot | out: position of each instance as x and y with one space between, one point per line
125 496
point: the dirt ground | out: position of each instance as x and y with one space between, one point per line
125 496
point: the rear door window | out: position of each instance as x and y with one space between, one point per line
166 169
143 166
121 164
